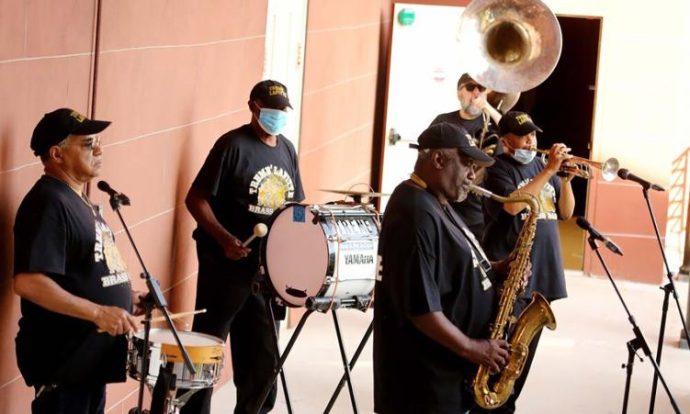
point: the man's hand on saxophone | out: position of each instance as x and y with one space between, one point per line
502 268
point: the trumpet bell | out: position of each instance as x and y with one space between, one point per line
509 45
609 169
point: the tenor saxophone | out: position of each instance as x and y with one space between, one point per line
491 393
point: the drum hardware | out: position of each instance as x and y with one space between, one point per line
356 195
334 259
154 299
332 267
321 305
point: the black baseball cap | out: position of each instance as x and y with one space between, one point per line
465 78
517 123
57 125
447 135
272 94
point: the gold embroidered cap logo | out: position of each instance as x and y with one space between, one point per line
522 119
276 90
76 115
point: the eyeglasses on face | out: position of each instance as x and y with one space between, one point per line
88 143
470 87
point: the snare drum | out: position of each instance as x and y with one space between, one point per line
321 251
205 351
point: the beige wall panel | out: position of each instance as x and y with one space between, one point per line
333 14
29 89
15 397
12 28
134 23
340 55
58 27
337 111
337 166
148 91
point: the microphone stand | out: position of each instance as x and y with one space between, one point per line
634 344
153 300
668 289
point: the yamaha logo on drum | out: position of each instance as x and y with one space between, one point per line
359 259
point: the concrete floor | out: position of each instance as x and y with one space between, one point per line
577 369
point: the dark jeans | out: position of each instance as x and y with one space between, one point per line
70 399
234 309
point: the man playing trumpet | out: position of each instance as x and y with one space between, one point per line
518 169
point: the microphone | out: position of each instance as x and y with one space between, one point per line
114 195
260 230
584 224
627 175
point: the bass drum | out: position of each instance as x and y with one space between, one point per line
322 252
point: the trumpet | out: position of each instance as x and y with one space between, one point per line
582 167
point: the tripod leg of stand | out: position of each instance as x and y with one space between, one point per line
346 365
660 346
628 374
353 361
281 361
283 381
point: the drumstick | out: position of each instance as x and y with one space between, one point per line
177 315
172 316
260 230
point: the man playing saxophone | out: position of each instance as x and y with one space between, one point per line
517 169
436 292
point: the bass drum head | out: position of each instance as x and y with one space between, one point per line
296 255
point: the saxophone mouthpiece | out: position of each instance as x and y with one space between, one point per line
482 192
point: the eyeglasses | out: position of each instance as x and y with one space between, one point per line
88 143
472 86
91 142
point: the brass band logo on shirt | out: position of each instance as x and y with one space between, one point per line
273 187
106 250
547 202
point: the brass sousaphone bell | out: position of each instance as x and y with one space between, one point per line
509 45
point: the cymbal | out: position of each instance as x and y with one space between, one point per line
354 193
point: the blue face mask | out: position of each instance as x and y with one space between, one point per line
524 156
272 121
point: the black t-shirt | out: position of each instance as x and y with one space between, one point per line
246 181
426 264
471 208
58 234
502 229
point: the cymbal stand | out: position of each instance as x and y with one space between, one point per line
154 299
668 289
634 344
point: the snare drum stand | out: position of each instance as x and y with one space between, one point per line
154 299
321 305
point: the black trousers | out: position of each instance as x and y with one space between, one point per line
70 399
509 406
234 308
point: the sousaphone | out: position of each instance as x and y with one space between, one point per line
509 45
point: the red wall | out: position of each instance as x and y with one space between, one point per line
172 76
618 210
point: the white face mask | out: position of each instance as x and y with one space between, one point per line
523 156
